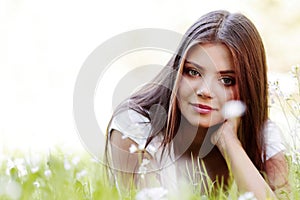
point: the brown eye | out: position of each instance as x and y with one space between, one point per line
228 81
191 72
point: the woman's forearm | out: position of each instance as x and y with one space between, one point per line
243 170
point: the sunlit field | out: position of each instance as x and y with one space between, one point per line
79 177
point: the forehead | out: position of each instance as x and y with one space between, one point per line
215 55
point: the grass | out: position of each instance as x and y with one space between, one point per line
55 176
59 175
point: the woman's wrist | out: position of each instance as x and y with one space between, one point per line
227 142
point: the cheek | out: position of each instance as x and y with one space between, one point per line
184 89
180 96
228 94
232 94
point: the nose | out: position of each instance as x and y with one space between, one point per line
204 90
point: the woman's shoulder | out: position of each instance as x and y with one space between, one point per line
136 127
273 139
272 131
131 124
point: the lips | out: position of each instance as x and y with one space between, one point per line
202 109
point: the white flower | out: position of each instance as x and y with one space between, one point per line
36 184
132 148
145 162
20 164
10 164
80 174
233 109
35 169
143 168
47 172
247 196
67 165
158 193
17 163
75 160
124 137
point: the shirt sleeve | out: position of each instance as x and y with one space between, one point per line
273 140
134 126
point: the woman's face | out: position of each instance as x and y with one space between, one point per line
208 81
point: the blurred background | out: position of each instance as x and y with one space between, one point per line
43 45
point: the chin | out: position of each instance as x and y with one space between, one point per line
205 123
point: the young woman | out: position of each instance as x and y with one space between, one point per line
177 120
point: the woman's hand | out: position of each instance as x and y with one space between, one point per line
227 131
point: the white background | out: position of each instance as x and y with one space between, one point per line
44 43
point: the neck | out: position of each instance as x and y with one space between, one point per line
189 139
192 143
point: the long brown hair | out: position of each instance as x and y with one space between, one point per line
241 37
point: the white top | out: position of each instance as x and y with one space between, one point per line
137 128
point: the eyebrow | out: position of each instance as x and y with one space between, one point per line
202 68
